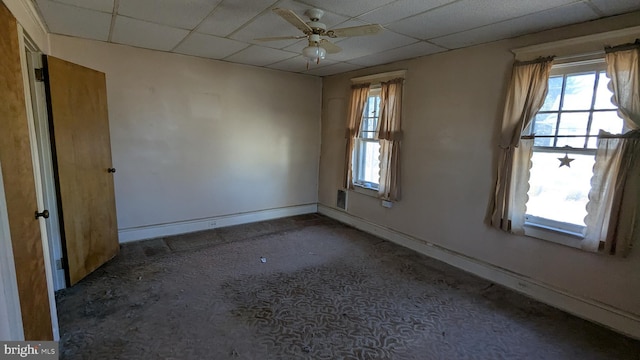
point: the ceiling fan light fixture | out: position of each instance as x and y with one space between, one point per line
314 53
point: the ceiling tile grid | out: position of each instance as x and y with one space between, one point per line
145 34
209 46
366 45
227 29
299 64
614 7
414 50
75 21
401 9
100 5
468 14
569 14
260 56
351 8
185 14
229 15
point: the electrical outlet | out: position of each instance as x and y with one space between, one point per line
59 264
212 224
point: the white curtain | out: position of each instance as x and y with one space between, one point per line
359 95
527 91
389 132
613 219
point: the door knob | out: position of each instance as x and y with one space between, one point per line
44 214
111 170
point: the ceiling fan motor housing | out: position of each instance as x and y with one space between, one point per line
314 14
317 27
314 39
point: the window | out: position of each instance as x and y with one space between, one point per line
578 105
366 169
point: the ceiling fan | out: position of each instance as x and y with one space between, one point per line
314 30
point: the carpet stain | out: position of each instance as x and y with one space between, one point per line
326 291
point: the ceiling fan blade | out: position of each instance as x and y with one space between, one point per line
293 19
329 46
276 38
355 31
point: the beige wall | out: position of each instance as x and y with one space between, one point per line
452 110
193 138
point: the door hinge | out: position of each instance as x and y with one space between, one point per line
39 74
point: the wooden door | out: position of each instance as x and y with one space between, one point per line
20 187
79 126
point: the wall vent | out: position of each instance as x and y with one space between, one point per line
341 201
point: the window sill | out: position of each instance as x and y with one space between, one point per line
365 190
554 235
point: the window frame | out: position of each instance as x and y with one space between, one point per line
547 229
358 156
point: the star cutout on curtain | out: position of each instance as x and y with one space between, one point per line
565 161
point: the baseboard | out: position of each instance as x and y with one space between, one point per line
182 227
606 315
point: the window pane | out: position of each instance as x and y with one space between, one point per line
573 124
578 92
372 106
544 124
560 193
606 120
368 128
369 162
552 101
603 94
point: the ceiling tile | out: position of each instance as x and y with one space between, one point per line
401 9
100 5
406 52
260 56
186 14
468 14
297 46
209 46
614 7
229 16
145 34
299 64
334 69
527 24
359 46
350 8
75 21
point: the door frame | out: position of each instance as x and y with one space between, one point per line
29 49
45 158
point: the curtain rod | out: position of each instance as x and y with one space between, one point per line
529 137
623 47
534 61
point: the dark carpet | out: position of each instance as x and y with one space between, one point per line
324 291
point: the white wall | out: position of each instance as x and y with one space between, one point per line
452 111
193 138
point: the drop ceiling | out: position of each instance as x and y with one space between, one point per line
226 29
